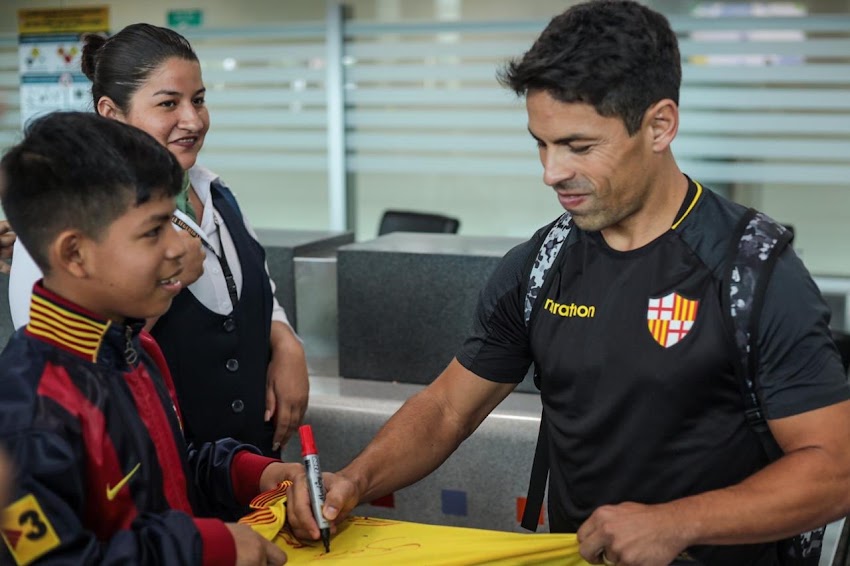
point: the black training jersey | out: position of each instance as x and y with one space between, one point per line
636 366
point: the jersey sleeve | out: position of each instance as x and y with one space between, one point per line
498 347
225 475
799 366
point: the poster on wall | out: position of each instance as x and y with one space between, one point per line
49 51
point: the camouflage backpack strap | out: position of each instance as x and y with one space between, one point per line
543 261
757 243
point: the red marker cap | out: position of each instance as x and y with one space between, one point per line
308 445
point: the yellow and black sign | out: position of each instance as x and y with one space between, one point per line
63 20
26 531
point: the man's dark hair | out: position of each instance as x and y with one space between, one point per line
76 170
616 55
118 66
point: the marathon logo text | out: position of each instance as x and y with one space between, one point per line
570 310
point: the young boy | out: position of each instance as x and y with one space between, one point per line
103 474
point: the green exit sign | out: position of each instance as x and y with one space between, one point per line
185 18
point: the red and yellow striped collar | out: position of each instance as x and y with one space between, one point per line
65 325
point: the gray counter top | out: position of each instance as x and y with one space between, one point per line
439 244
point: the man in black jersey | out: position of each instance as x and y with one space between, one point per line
652 460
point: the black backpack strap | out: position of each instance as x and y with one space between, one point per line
755 246
757 243
543 261
538 479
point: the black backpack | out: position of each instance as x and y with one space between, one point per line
757 243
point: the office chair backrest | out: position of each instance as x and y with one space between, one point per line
407 221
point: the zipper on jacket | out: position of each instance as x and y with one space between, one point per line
131 356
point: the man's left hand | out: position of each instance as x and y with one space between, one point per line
287 384
631 534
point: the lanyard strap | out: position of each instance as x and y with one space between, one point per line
229 280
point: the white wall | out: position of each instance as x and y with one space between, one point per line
821 218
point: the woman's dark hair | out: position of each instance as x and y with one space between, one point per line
616 55
117 66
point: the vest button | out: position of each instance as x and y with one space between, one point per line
229 325
232 364
238 406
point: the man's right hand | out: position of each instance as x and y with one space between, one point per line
252 549
341 496
439 417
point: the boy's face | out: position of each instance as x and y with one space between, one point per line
132 270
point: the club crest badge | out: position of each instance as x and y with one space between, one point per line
670 318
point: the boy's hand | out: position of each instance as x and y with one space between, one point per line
7 240
278 472
193 259
252 549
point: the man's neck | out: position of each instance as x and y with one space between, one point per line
655 217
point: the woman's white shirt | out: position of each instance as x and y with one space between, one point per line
23 276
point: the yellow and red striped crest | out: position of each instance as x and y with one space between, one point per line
670 318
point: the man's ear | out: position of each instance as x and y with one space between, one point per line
108 109
68 253
663 123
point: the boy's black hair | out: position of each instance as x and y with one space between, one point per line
616 55
76 170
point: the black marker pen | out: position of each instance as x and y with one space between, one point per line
314 482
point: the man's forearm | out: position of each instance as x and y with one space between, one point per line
413 443
794 494
425 431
